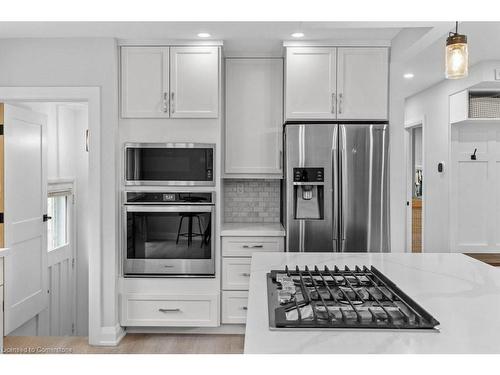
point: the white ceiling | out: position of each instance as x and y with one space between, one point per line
426 61
259 37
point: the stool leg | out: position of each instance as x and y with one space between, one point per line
201 230
190 230
179 230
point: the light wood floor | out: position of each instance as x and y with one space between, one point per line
131 344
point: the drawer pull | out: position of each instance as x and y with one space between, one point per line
244 308
253 246
169 310
246 274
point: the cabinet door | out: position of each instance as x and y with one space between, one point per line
310 83
194 86
144 82
362 85
254 116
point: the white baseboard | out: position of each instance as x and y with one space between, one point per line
224 329
110 336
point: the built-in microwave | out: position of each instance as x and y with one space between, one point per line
184 164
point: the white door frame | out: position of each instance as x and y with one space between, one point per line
408 140
92 96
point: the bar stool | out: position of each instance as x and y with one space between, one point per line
189 234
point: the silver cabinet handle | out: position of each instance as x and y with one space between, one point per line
246 274
165 102
169 310
87 140
333 102
281 160
253 246
341 97
172 107
244 308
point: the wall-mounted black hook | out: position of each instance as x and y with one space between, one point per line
473 156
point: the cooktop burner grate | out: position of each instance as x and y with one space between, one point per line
357 298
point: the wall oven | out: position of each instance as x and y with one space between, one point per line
168 234
188 164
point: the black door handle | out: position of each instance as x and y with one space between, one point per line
46 217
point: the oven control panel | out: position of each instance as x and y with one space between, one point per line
135 197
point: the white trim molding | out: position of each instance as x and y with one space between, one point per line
111 336
98 335
337 43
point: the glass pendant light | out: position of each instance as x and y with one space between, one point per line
457 55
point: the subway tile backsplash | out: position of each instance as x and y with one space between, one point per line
252 201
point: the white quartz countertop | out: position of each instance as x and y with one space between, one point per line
463 294
4 251
253 229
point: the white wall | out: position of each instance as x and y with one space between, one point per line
432 105
79 62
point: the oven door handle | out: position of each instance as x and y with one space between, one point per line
169 208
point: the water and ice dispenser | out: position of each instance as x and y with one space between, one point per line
308 190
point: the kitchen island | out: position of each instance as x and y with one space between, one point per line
463 294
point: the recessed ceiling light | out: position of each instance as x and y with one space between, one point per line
204 35
409 75
297 35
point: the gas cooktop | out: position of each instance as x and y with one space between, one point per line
341 298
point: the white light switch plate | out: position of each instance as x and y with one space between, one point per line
497 74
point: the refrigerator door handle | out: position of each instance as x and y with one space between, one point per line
341 203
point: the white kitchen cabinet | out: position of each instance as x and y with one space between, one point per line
239 242
1 317
311 83
145 82
324 83
1 304
170 310
245 246
194 86
236 273
362 83
254 117
234 307
170 82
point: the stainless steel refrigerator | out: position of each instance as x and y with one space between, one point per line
336 187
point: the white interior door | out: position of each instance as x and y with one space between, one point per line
194 82
61 266
25 205
362 86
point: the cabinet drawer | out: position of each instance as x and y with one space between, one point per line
234 307
1 316
170 311
246 246
236 273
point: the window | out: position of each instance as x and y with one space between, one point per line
57 228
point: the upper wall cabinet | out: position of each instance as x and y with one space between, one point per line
254 117
194 82
144 82
362 83
311 83
337 83
170 82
